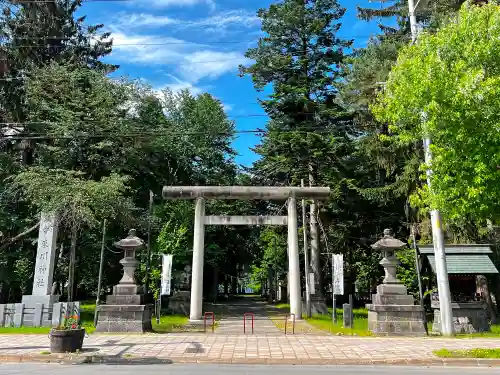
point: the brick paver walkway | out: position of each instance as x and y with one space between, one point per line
230 317
234 347
233 326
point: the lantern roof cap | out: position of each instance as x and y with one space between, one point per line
130 242
388 242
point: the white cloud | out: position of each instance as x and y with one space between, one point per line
179 85
145 20
227 107
150 49
210 64
192 61
173 3
221 22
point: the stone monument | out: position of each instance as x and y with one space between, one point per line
44 269
393 312
179 302
125 310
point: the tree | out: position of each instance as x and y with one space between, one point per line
446 86
35 33
308 135
78 202
300 57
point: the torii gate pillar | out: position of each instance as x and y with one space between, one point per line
198 260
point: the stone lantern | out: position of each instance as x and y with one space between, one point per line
392 311
125 310
129 245
388 245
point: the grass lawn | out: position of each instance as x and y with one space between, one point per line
282 306
325 323
470 353
168 323
495 332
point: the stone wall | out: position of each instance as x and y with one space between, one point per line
19 315
124 318
393 320
468 317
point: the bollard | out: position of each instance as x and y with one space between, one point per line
293 322
205 321
245 321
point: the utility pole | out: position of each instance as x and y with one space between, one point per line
306 256
148 252
443 284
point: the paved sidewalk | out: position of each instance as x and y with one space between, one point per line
231 348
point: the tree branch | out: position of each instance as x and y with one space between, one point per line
6 243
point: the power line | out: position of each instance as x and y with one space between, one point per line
155 134
83 1
183 42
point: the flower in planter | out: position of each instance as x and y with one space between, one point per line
72 322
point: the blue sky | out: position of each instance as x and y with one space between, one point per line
198 44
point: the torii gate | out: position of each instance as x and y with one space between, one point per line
201 193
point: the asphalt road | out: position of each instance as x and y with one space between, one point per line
178 369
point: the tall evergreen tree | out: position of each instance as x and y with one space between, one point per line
300 56
35 33
308 136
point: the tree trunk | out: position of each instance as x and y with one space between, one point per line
55 285
9 241
234 286
4 297
71 266
315 261
226 286
215 284
270 278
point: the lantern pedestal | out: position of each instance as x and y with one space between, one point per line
393 313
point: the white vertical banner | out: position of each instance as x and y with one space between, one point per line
166 274
338 274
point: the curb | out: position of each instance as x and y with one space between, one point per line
100 359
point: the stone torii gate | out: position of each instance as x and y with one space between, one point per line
202 193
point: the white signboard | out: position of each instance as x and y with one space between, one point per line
338 274
311 283
45 255
166 274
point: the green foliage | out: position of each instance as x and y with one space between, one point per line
452 77
360 323
469 353
300 57
84 160
77 200
34 34
274 244
407 273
